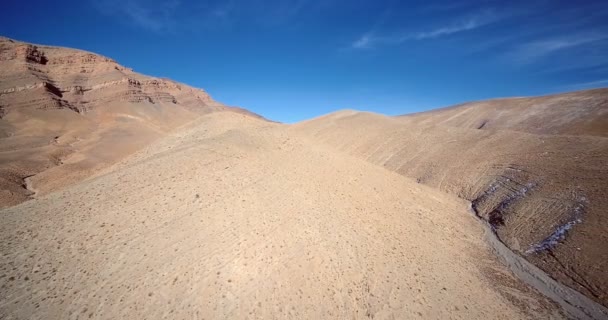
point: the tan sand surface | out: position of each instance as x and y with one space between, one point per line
235 217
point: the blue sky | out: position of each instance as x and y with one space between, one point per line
291 60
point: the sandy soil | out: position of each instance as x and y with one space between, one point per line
582 113
238 218
544 194
152 200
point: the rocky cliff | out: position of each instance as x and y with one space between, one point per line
66 113
51 77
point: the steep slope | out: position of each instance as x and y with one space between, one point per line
66 113
234 217
544 195
575 113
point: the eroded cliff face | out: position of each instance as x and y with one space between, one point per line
49 77
66 113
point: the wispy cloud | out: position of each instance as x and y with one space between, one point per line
365 41
223 11
587 85
276 12
157 16
531 51
371 39
470 24
156 20
449 6
167 16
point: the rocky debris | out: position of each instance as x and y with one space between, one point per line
22 88
493 204
561 230
21 52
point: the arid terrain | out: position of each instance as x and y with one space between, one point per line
524 164
63 110
128 196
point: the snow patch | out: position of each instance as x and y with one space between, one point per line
560 232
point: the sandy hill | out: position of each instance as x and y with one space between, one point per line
154 201
66 113
544 194
234 217
574 113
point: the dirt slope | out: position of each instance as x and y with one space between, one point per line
575 113
545 195
152 200
233 217
66 113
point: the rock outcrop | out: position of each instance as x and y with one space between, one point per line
66 113
83 81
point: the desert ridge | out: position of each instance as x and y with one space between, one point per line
66 114
129 196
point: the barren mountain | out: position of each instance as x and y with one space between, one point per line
66 113
154 201
234 217
543 194
574 113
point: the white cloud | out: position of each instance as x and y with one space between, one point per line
157 16
363 42
534 50
172 15
369 39
587 85
470 24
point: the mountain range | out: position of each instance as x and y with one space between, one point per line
127 195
